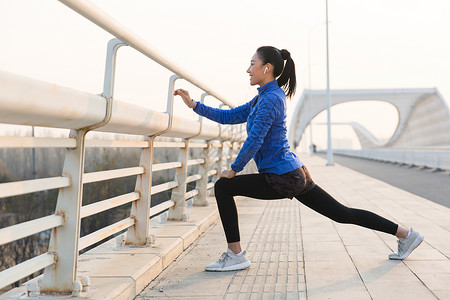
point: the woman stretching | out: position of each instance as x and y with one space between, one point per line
281 173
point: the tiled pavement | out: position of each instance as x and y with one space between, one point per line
298 254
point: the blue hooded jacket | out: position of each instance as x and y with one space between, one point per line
266 141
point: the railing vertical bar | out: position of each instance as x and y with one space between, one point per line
220 160
64 239
140 209
201 198
178 211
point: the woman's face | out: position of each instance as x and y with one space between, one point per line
256 70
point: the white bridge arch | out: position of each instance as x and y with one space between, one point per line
424 117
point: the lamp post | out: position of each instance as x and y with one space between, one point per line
311 152
329 149
309 85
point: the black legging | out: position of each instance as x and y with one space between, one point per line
255 186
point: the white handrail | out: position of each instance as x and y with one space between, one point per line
56 109
97 16
26 101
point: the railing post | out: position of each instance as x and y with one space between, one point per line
64 240
220 162
178 211
140 209
226 150
233 151
201 199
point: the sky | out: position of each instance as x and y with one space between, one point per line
373 44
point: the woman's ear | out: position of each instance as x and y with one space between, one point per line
268 68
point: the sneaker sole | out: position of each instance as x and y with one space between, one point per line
241 266
414 245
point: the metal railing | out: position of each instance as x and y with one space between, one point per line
25 101
429 157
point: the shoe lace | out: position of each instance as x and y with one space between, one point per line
224 257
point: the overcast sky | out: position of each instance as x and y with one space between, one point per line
373 44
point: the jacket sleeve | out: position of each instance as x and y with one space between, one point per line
265 116
235 115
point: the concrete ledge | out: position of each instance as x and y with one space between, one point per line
122 272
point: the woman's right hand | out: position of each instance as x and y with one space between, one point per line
185 95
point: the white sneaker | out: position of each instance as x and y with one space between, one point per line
229 262
407 245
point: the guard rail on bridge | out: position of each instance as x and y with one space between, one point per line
430 157
25 101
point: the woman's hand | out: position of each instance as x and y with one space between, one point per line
185 95
228 173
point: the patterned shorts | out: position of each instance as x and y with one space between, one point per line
292 183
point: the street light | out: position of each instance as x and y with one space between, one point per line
309 85
329 149
311 152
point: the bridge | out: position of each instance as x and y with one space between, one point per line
167 244
422 135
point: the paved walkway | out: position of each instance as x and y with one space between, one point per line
298 254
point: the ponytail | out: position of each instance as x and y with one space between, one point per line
287 79
284 71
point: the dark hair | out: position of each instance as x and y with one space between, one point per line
286 72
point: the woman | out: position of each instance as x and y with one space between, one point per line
281 173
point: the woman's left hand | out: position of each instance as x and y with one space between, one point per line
228 173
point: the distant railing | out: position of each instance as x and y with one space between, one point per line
25 101
429 157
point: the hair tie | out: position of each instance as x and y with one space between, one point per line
285 54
